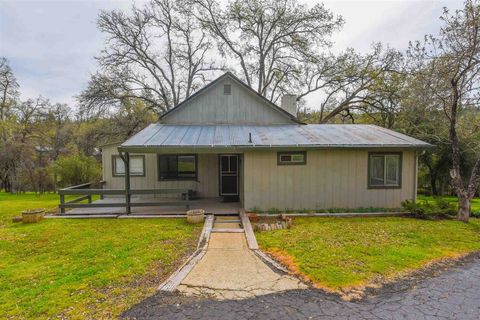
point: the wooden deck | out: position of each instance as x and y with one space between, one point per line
210 205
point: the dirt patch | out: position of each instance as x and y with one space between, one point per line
381 284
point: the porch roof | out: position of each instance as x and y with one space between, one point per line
169 136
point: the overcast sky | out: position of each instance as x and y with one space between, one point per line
51 44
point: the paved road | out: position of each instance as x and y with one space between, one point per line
454 294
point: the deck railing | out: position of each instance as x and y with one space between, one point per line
85 192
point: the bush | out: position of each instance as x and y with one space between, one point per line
439 208
273 211
76 169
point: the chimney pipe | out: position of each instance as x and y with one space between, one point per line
289 104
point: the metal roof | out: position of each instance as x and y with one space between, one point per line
158 136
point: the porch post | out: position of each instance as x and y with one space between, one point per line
126 160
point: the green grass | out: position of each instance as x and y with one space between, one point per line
454 200
345 252
83 268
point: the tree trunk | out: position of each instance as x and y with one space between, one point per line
433 184
463 208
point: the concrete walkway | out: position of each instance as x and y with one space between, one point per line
230 270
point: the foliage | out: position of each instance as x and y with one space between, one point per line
449 66
345 252
83 269
326 210
452 200
439 208
76 169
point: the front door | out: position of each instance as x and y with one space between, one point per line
228 164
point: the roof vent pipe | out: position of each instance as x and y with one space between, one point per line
289 104
249 137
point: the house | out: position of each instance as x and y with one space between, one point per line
227 142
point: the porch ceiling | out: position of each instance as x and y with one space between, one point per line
233 137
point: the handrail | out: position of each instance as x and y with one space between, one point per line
86 194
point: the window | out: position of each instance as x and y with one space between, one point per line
137 166
177 167
384 170
291 158
227 89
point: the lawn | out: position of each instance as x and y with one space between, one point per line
454 200
83 268
340 253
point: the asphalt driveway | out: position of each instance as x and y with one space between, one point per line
453 294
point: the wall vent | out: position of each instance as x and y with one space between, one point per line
227 89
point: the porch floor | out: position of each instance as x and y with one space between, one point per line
210 205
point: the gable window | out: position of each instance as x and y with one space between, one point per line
384 170
137 166
177 167
291 158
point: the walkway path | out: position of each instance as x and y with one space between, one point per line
454 294
230 270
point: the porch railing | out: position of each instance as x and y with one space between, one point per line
85 192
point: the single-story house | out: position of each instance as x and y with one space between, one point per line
229 143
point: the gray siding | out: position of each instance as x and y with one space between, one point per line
214 107
330 179
206 186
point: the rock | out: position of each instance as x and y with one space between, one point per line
17 219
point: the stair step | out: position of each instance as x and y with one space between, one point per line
227 221
217 230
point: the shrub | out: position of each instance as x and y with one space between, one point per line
256 210
439 208
273 211
76 169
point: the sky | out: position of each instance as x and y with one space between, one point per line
51 44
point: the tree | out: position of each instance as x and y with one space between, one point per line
367 83
76 169
449 64
157 54
8 88
272 42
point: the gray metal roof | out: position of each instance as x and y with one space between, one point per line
269 136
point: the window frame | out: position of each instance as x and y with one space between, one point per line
114 166
400 170
195 178
281 153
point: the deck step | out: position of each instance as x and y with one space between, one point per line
218 230
227 221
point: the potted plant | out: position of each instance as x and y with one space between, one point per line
195 216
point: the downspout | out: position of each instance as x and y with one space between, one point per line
126 160
415 176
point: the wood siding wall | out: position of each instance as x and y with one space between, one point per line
206 186
330 179
214 107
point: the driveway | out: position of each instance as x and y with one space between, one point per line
454 294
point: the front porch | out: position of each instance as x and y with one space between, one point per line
116 206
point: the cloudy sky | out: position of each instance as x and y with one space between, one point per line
51 44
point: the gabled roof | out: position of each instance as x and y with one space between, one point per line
240 82
161 136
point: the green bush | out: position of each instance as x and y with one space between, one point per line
439 208
76 169
273 211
